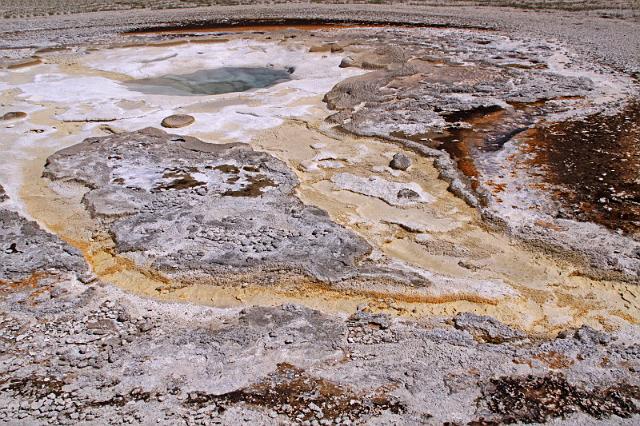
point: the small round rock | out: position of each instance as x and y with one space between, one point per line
400 162
13 115
178 120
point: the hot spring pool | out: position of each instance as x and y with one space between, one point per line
211 82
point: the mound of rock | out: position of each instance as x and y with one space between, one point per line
178 120
190 208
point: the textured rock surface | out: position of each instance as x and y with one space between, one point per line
400 161
90 354
470 100
25 249
65 347
188 208
393 193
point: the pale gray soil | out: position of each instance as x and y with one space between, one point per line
27 8
615 42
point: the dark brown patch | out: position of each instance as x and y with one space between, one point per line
180 179
253 188
25 63
227 168
33 387
593 166
120 400
471 114
291 392
534 399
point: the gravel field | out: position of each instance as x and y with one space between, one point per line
610 34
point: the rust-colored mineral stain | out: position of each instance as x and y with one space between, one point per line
554 360
593 165
30 282
491 127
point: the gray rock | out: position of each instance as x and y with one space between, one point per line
400 161
347 62
408 194
486 329
223 208
25 248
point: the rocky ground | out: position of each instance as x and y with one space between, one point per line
400 232
21 9
89 353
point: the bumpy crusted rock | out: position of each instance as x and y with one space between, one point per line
462 101
3 194
400 161
25 249
486 329
192 208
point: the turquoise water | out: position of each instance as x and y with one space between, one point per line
211 82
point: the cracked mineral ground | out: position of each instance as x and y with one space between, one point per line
356 214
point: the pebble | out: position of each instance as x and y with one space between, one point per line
177 121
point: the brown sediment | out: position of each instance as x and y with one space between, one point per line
167 43
51 49
527 67
25 63
13 115
179 179
289 391
226 168
253 189
471 114
593 166
256 27
208 40
255 185
531 399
